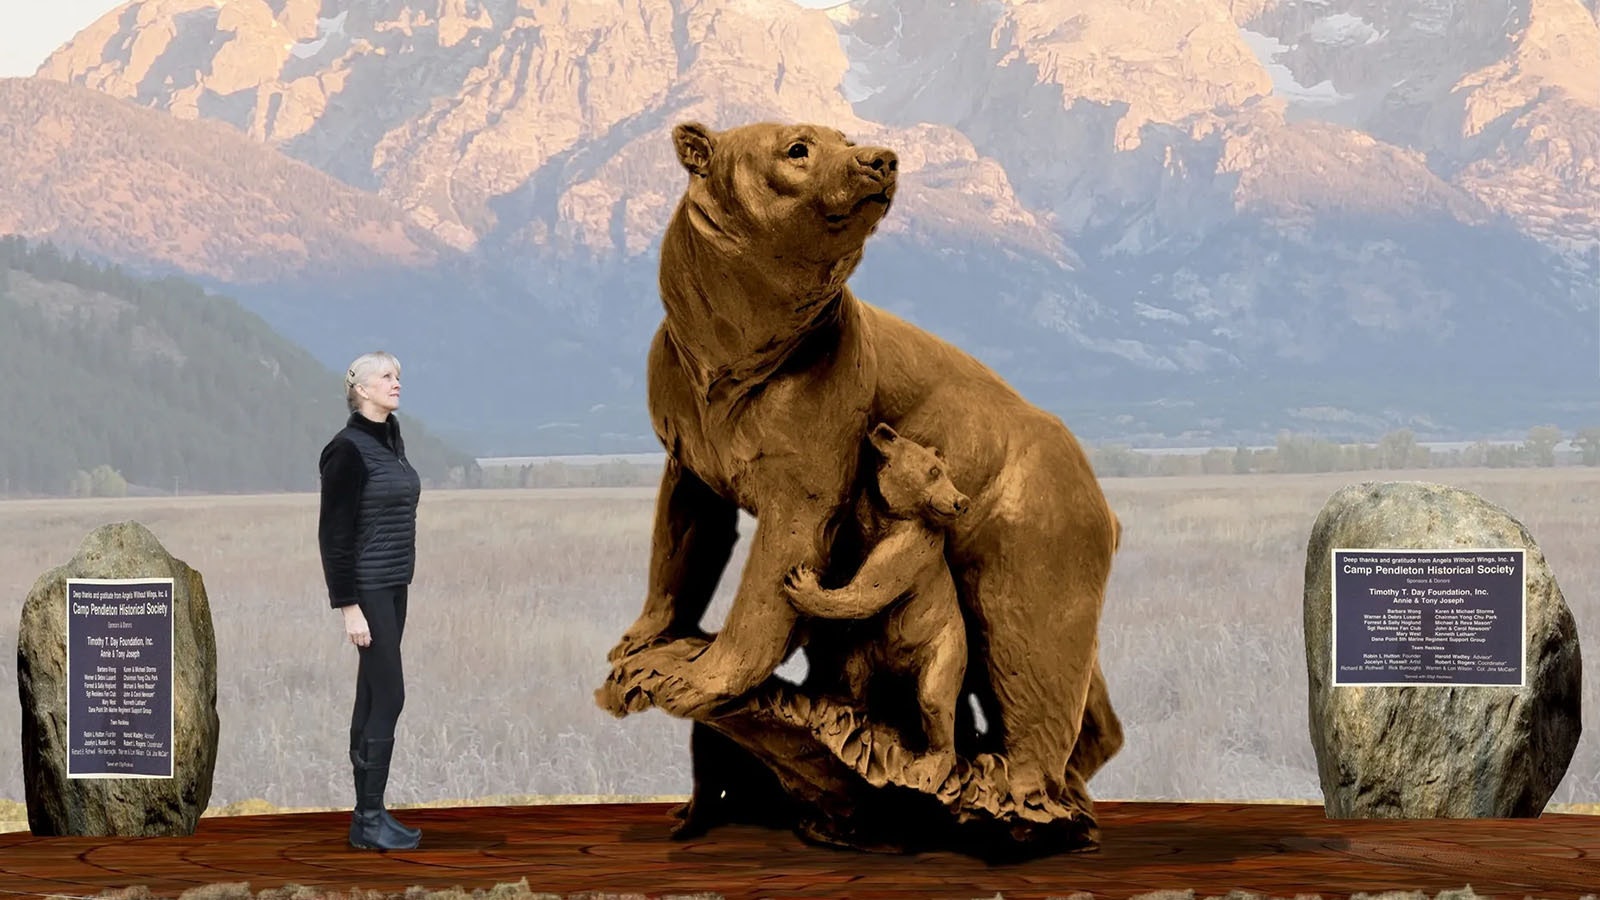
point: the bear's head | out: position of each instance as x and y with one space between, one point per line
798 193
914 480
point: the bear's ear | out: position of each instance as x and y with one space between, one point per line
883 436
693 143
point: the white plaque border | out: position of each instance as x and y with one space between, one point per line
1333 616
172 618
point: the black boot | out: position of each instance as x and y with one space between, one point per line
355 765
370 829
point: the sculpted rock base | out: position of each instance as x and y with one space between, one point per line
849 782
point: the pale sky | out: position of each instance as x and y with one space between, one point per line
30 30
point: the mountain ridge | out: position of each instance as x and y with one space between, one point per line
170 386
1099 199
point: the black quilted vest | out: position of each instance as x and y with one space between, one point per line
386 521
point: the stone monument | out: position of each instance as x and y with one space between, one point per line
145 776
1444 666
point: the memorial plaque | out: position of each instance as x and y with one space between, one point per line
119 678
1416 617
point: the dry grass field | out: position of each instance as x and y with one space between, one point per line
519 594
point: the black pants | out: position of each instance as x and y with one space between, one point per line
380 681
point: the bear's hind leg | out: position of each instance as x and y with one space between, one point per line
1100 734
941 667
692 539
1041 611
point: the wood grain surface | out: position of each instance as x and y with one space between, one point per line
1210 848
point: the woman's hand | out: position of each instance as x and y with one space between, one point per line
355 625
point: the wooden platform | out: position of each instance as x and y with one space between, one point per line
1209 848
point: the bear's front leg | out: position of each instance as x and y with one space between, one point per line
694 534
759 630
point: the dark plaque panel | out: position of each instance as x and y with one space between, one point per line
1449 617
119 678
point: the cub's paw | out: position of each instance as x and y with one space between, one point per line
802 581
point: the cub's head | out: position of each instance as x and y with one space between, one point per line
801 192
914 480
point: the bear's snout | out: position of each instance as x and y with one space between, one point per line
878 163
949 508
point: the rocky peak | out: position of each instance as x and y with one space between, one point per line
513 122
1243 184
1088 106
1395 68
1152 62
133 185
1500 96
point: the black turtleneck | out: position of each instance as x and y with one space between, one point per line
343 476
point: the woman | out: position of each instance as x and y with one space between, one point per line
367 534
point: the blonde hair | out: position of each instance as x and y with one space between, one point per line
362 369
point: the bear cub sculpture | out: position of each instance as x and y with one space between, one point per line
903 513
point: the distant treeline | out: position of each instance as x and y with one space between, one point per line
112 384
1294 453
1298 453
559 474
